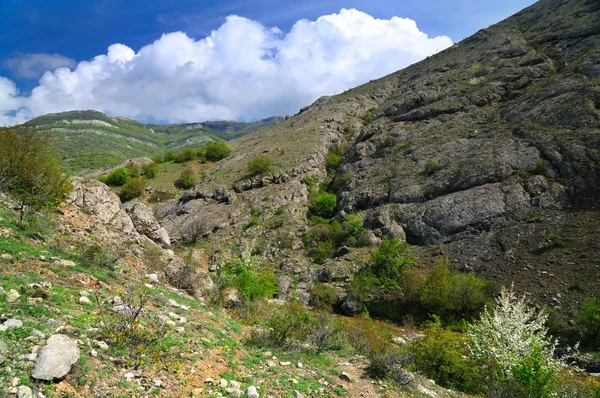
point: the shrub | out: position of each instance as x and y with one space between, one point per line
453 295
150 170
117 177
588 321
540 167
292 327
132 169
367 118
322 251
158 159
169 157
433 165
389 260
261 164
324 205
133 188
353 225
187 179
333 160
97 256
323 296
246 274
185 156
215 151
339 182
512 342
442 356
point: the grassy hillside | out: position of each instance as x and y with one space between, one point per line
87 140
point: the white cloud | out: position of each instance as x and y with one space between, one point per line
243 70
33 65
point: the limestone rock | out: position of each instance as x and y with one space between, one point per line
145 223
103 204
56 358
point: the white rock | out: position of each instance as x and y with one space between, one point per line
173 303
251 392
234 384
300 365
399 340
24 392
84 300
222 383
11 324
56 358
129 376
84 293
153 278
285 363
101 344
12 296
158 382
94 353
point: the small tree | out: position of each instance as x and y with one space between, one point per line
150 170
513 340
186 179
215 151
133 188
29 172
324 205
261 164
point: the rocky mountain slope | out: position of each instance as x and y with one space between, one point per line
87 140
88 309
486 153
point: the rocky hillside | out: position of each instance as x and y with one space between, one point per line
87 140
486 153
88 309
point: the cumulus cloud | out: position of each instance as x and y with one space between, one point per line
243 70
33 65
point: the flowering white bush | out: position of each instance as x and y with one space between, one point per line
511 332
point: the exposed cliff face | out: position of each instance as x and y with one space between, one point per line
484 153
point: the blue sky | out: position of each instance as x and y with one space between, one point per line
70 31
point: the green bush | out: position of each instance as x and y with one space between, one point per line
185 156
133 188
322 251
215 151
133 170
169 157
292 327
261 164
367 118
247 275
150 170
333 160
97 256
353 225
433 165
389 260
443 356
454 295
187 179
323 297
324 205
117 177
588 321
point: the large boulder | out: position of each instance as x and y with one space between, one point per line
145 223
98 200
56 358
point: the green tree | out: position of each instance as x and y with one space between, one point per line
216 150
150 170
133 188
29 172
186 179
389 260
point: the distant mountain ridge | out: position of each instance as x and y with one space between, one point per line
88 139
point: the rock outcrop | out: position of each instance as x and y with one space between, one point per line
144 222
97 199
